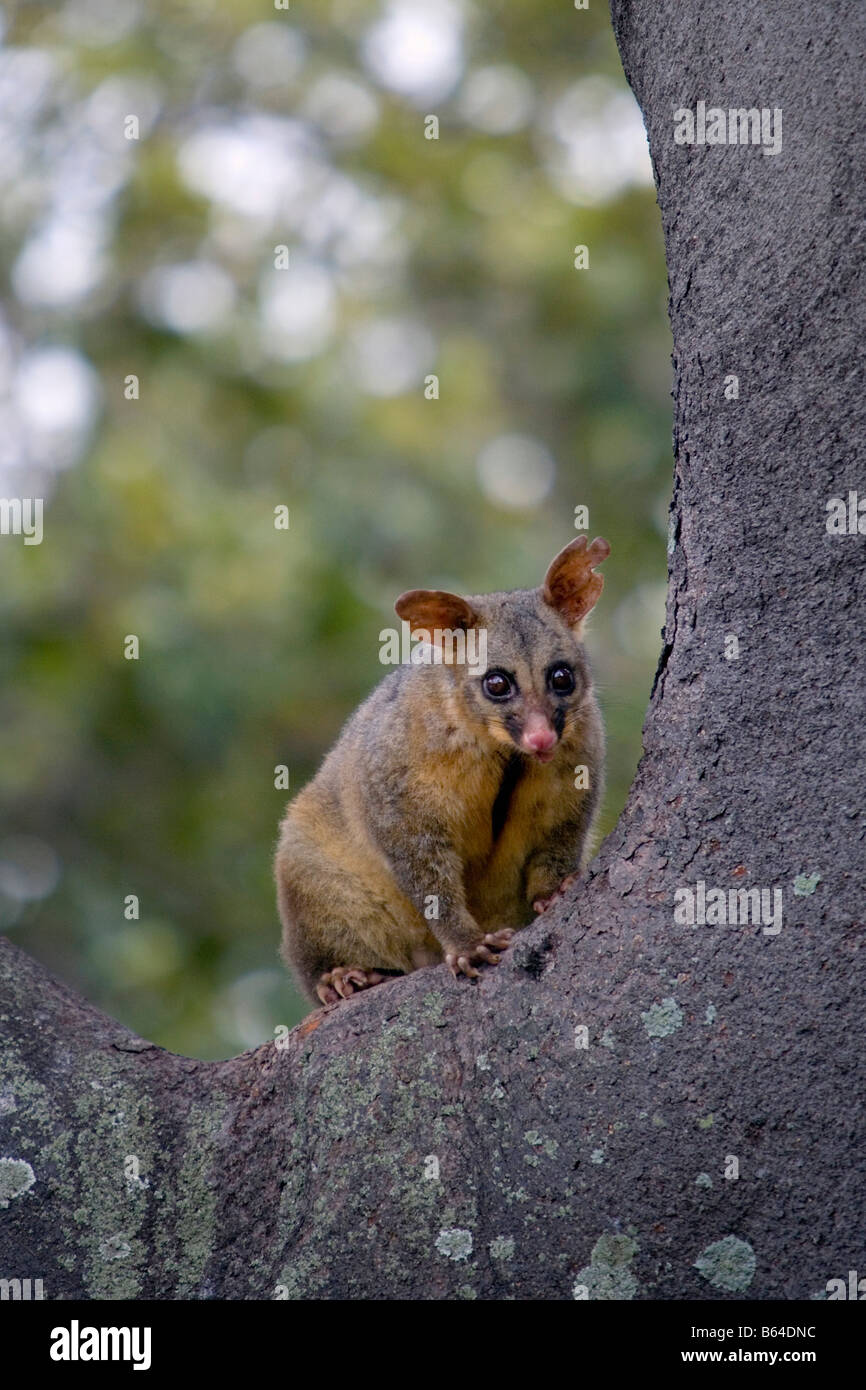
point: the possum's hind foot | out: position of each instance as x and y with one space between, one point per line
464 962
542 904
345 980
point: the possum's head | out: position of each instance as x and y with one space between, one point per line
516 660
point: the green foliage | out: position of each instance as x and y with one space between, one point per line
155 777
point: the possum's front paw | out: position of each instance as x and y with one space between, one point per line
344 981
542 904
463 961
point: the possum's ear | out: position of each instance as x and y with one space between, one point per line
570 585
432 610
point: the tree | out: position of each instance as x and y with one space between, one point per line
629 1105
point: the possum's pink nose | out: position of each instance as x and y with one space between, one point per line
538 737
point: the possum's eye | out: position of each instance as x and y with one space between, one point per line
497 686
561 680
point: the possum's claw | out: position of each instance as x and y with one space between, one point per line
542 904
464 962
344 981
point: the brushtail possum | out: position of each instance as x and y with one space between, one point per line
452 806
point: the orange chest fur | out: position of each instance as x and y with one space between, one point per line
493 808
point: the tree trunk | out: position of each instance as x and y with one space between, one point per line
628 1106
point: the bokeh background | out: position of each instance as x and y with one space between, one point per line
261 387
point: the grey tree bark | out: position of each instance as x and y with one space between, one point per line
436 1139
